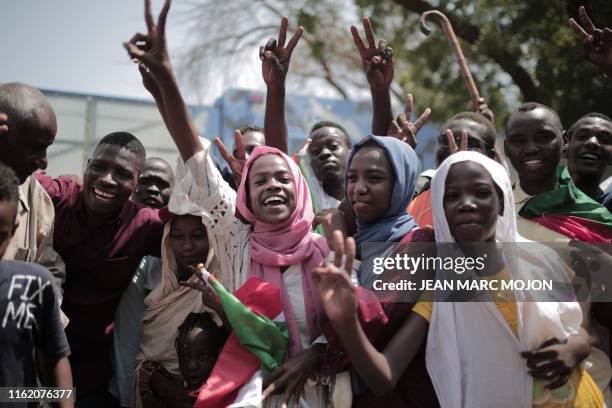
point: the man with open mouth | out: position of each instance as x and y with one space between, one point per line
589 153
551 207
102 236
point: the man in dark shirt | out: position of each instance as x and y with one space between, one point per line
101 235
29 309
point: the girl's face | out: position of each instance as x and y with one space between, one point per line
197 357
472 203
188 240
271 189
370 184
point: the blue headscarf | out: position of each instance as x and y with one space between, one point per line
396 222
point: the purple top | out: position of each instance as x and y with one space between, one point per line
100 262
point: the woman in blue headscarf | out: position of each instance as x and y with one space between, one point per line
380 183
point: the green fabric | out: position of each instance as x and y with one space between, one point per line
266 339
567 199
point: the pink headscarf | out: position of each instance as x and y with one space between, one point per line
291 242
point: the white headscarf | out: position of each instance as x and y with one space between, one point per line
472 356
169 304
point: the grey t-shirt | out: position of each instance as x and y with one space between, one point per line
127 328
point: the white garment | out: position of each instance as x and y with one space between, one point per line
207 195
472 356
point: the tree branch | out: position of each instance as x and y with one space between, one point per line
470 33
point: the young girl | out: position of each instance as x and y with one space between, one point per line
198 343
474 349
185 244
275 243
380 182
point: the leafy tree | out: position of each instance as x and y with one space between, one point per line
517 50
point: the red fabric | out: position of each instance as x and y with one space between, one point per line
235 364
576 228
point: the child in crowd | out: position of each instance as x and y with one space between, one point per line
29 309
198 344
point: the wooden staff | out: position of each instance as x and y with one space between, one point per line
443 22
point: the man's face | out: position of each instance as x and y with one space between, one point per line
110 178
24 148
533 144
251 140
328 152
477 138
589 149
154 184
8 212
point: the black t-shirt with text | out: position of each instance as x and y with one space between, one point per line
29 318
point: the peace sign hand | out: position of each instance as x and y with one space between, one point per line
333 282
236 164
275 56
597 42
452 145
150 49
403 129
377 60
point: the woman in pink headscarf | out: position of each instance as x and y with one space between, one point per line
269 238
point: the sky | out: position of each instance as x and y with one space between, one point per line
76 45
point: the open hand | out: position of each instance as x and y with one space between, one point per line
405 130
150 49
235 163
377 60
275 56
333 282
597 42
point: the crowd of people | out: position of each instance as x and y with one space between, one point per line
147 286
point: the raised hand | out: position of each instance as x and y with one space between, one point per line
150 49
236 164
485 111
333 282
405 130
331 219
148 81
377 60
452 145
209 297
275 56
597 42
